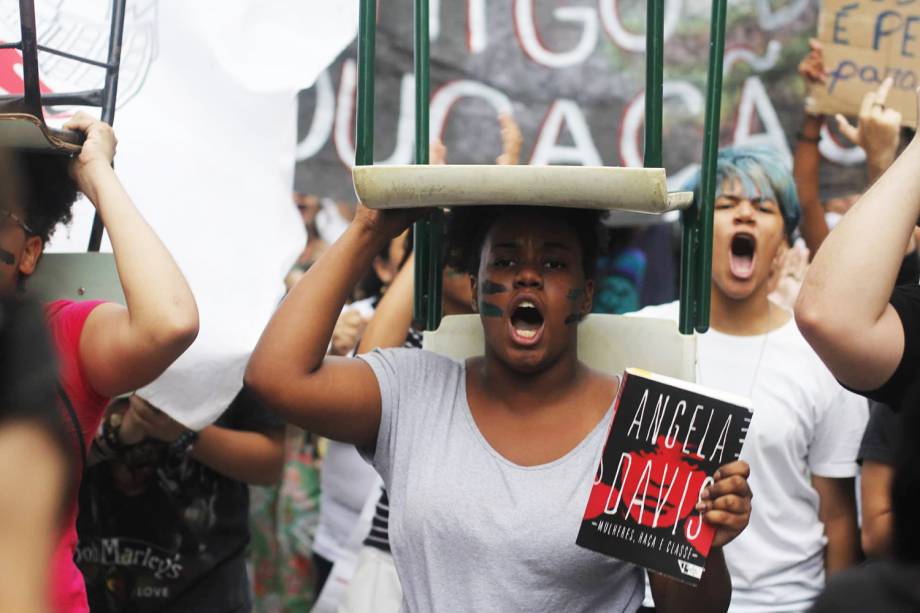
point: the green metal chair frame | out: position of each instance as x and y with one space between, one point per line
696 247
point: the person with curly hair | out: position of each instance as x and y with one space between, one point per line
103 349
488 462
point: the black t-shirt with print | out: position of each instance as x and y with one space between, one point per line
162 532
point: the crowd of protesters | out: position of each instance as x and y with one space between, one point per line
389 478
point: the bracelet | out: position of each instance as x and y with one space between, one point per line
102 449
110 442
802 137
184 443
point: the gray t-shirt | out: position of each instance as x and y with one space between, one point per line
470 530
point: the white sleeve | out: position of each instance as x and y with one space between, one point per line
670 310
835 441
392 367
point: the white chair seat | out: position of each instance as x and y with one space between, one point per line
641 190
608 343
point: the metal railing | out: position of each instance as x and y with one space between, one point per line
696 247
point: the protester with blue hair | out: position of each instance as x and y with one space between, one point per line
806 429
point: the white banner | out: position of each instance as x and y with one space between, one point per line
207 128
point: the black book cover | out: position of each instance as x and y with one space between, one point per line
668 437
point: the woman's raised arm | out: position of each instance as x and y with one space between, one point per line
289 371
843 309
122 348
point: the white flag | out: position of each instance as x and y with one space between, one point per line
207 129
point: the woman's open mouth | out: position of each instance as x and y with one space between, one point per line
526 323
741 257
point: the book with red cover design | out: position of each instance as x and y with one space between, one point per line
668 437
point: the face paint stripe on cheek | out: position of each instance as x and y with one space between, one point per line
574 294
489 310
490 288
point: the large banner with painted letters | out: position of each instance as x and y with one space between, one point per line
572 74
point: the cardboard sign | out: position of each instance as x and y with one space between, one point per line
864 42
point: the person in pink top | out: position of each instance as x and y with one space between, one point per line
103 349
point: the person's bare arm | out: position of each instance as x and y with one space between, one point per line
393 317
807 159
32 479
837 511
806 165
877 515
121 348
843 308
249 456
338 398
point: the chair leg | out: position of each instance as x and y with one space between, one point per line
654 84
427 304
109 96
710 152
116 35
421 247
29 46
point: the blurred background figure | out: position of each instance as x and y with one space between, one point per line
34 448
620 274
164 513
35 458
877 132
324 220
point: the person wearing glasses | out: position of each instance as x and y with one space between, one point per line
103 349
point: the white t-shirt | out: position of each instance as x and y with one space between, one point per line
346 481
471 530
804 424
